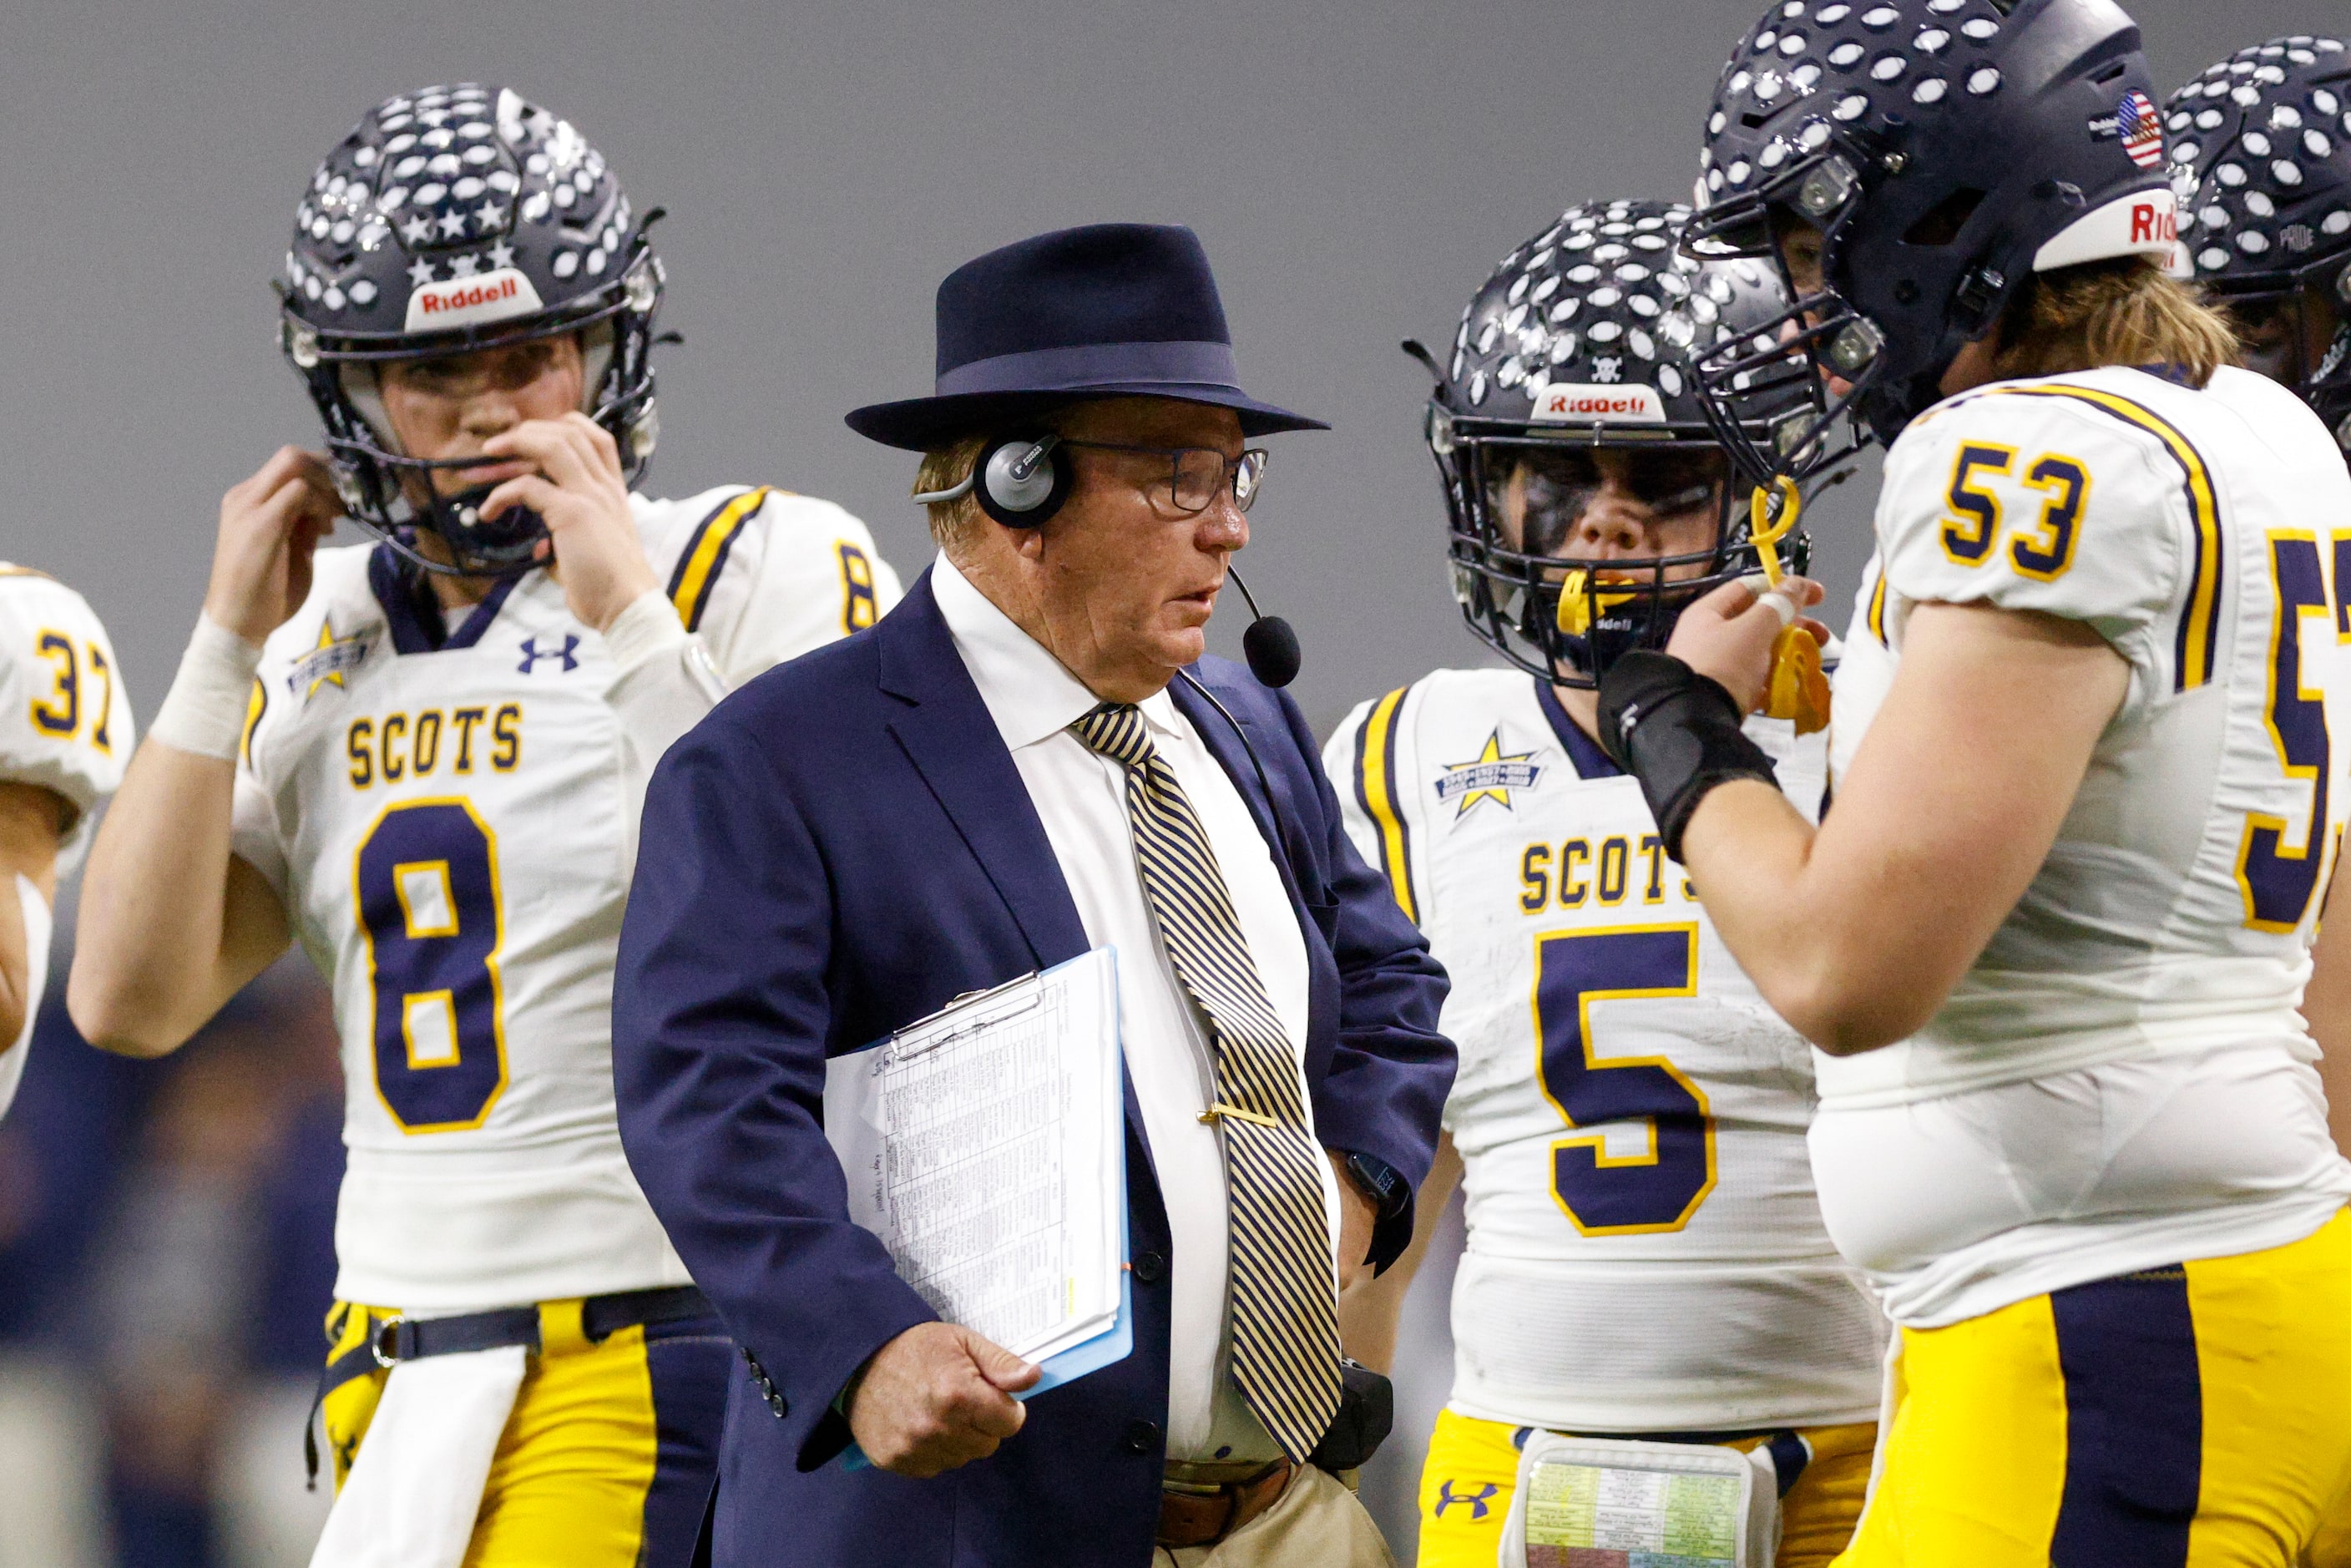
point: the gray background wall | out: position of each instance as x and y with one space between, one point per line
1355 170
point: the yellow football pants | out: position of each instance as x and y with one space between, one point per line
609 1455
1473 1466
2184 1417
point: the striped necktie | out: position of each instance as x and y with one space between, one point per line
1284 1313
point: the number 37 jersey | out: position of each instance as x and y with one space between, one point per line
1645 1252
65 726
451 830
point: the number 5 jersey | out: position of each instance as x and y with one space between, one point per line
451 825
65 726
1645 1253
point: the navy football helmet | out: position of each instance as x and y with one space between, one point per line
2261 156
449 220
1944 149
1577 344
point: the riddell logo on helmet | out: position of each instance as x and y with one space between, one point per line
2138 222
1625 403
468 301
460 296
2149 222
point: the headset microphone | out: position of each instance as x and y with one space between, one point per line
1270 645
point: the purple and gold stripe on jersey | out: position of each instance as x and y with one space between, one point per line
704 555
1376 790
2195 647
256 704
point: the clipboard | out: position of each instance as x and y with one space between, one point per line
865 1146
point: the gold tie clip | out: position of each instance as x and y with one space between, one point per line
1238 1114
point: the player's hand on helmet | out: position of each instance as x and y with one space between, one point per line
579 487
270 525
935 1397
1727 635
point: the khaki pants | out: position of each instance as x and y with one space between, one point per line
1318 1524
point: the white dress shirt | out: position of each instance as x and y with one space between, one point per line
1080 797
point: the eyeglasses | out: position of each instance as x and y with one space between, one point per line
1196 475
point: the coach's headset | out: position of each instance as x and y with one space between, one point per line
1022 480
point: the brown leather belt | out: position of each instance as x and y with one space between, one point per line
1202 1515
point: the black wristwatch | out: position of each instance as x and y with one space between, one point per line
1382 1183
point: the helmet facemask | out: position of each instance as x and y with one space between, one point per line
1786 397
1572 358
1559 611
379 485
471 206
1945 151
2300 335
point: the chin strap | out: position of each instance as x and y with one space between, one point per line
1798 689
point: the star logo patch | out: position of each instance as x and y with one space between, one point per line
1488 775
326 663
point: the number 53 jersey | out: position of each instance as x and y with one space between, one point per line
1645 1252
451 829
2122 1080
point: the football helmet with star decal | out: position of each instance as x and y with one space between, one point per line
2260 156
449 220
1568 372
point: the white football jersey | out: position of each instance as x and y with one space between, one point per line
65 725
2205 535
1645 1250
452 832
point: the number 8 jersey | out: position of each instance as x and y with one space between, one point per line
1644 1253
453 833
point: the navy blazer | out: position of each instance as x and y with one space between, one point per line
841 847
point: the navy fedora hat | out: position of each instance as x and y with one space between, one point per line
1108 310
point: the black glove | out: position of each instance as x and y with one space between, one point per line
1678 733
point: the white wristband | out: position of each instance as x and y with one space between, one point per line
204 711
647 627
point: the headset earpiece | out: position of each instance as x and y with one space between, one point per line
1023 480
1019 480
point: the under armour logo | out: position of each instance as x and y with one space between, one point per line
1476 1501
532 653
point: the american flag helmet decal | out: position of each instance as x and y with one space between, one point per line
2141 128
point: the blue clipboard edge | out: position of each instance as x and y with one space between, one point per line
1114 1343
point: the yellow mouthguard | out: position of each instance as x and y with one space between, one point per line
1576 596
1766 530
1798 689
